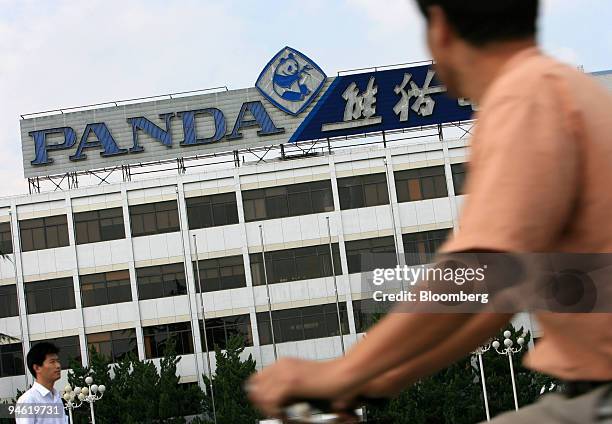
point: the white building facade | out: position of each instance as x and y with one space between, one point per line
122 276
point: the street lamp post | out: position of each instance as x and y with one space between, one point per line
77 396
479 352
72 400
508 350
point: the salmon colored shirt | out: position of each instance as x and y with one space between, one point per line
540 180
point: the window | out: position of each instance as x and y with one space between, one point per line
161 281
290 200
368 254
367 312
220 274
43 233
310 322
69 347
157 336
113 344
11 360
154 218
212 211
420 184
363 191
420 248
220 330
6 242
102 225
49 295
105 288
295 264
8 301
459 173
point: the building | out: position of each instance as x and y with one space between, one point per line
113 266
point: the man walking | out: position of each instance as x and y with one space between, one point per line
45 366
539 180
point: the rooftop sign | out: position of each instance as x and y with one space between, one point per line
293 100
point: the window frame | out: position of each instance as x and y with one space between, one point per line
373 245
46 228
219 264
95 223
68 283
274 259
224 324
459 177
355 192
165 330
434 175
107 280
6 243
8 307
164 271
302 319
138 213
17 359
196 215
429 240
364 320
114 337
268 199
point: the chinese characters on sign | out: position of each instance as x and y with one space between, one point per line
424 104
360 108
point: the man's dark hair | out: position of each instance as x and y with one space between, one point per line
38 353
480 22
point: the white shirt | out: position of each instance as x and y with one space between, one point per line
39 395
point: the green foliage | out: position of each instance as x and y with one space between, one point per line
454 395
136 391
232 405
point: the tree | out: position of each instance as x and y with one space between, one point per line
450 396
176 400
136 391
232 405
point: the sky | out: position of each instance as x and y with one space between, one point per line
67 53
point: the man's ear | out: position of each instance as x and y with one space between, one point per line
441 32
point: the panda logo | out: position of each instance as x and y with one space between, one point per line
290 79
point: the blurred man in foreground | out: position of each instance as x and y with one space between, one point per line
539 181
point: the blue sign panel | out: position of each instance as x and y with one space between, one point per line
384 100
